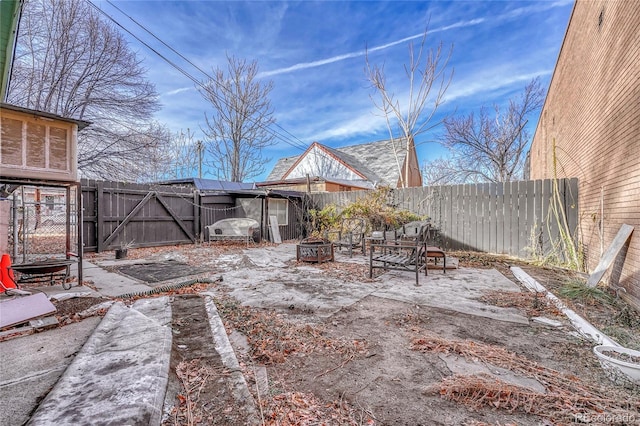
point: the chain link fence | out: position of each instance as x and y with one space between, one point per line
42 223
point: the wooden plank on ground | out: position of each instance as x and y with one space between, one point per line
610 254
275 230
22 309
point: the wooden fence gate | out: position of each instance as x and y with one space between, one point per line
125 214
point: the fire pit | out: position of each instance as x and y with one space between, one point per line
314 250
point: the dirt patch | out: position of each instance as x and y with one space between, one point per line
393 384
203 393
602 307
374 361
78 308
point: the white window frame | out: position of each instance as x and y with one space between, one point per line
279 207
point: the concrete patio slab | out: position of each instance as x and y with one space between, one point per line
122 370
269 277
458 290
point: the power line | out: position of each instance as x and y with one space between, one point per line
195 80
301 145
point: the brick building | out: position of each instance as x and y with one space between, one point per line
592 118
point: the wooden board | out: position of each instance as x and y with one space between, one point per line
22 309
275 230
610 254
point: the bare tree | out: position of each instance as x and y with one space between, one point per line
238 127
408 115
440 171
71 63
181 157
492 147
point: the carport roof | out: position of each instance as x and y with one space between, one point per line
211 184
231 188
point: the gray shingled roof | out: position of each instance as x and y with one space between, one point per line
375 160
281 167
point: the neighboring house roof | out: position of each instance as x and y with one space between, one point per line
374 162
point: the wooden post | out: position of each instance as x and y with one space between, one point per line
79 224
99 203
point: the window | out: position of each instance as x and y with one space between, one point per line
279 209
50 201
58 142
11 146
31 145
36 147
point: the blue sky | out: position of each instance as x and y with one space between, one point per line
314 54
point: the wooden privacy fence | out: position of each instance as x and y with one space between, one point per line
117 214
515 218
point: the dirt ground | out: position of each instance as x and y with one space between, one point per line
385 362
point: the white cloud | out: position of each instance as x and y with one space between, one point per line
488 81
363 52
177 91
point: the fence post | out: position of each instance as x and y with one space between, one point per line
98 203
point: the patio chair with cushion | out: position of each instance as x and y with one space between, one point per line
433 250
436 253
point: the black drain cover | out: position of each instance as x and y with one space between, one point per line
154 272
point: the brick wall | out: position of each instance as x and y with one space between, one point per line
592 114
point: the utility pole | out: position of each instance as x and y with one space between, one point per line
200 148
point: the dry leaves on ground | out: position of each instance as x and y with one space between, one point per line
272 338
297 408
195 375
344 271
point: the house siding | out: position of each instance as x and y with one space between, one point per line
592 115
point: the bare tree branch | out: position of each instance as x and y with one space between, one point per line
238 127
428 80
490 147
71 63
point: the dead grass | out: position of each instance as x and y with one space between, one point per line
566 398
533 304
272 338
